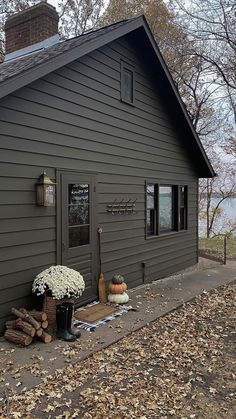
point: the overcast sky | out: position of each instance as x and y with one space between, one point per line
53 2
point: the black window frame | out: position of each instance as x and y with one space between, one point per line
176 209
129 68
154 210
183 207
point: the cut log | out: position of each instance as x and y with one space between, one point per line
22 325
18 337
11 324
23 314
30 319
25 327
39 332
38 315
44 324
45 337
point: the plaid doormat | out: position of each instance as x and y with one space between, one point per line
91 327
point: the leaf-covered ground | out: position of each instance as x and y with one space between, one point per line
180 366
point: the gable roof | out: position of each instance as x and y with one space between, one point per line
22 71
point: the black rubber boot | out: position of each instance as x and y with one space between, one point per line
71 330
62 314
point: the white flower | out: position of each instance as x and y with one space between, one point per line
61 281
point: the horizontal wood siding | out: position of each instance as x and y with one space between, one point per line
73 119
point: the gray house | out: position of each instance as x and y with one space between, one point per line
101 115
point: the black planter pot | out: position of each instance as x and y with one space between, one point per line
38 302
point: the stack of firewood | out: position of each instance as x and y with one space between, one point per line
27 326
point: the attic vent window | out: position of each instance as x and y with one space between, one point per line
127 83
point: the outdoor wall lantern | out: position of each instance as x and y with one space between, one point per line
45 191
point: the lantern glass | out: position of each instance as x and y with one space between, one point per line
49 196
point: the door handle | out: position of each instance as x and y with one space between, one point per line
63 246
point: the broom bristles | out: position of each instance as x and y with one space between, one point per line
102 289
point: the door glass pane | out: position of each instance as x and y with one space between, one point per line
78 214
78 193
78 236
165 208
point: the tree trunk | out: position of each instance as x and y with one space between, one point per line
208 209
18 337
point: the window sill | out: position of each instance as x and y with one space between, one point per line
127 102
167 234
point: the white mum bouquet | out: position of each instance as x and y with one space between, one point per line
60 282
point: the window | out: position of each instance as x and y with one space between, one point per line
127 83
166 208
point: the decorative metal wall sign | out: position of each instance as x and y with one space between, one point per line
122 207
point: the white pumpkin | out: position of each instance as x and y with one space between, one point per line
118 298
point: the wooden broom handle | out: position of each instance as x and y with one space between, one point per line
100 247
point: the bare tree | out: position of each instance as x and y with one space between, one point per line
78 16
170 38
7 8
230 147
212 25
212 194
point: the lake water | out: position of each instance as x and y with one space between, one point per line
228 208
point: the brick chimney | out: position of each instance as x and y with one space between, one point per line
31 26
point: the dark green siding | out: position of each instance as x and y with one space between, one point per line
73 119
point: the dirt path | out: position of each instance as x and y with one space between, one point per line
180 366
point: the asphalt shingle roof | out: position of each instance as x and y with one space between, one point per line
12 68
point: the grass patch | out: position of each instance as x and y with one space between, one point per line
215 246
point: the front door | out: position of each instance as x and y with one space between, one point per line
78 232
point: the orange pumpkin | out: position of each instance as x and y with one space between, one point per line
117 288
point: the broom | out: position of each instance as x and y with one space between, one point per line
101 281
